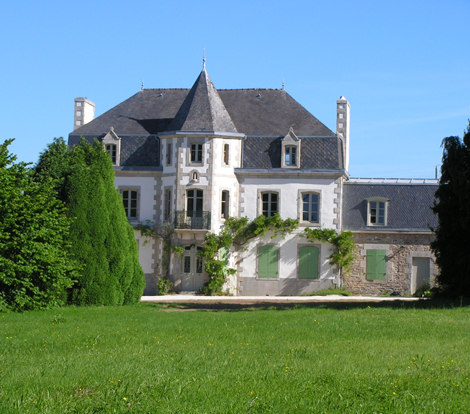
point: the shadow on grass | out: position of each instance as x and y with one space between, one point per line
247 305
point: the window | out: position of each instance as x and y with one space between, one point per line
340 116
308 262
377 212
375 265
195 198
78 122
291 156
129 199
224 205
223 255
79 103
226 154
267 262
310 207
111 149
79 113
168 154
269 204
167 205
196 153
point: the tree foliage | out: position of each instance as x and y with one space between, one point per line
102 240
452 206
35 265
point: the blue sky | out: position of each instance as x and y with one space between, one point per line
404 66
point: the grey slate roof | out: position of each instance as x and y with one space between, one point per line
202 109
254 112
262 114
323 153
409 207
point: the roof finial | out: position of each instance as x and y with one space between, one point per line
204 60
142 87
282 83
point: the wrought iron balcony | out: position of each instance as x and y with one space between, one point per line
194 220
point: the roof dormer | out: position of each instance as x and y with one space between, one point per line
112 145
290 157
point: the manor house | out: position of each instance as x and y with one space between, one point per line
194 157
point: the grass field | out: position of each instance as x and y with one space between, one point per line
343 358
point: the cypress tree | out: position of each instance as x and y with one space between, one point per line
452 206
100 232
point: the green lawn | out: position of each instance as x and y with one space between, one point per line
344 358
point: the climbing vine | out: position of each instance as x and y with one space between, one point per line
165 233
344 247
238 232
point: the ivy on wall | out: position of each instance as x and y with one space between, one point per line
344 248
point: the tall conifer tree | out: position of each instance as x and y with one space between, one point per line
451 246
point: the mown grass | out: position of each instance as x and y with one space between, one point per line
146 359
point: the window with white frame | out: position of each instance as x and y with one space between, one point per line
377 211
269 204
112 151
311 207
129 199
224 205
196 153
290 154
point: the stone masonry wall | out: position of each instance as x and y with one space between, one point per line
400 250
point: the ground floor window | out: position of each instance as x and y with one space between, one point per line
375 264
308 262
268 262
129 199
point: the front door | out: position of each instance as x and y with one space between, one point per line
421 273
193 271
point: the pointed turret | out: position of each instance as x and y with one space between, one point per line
203 109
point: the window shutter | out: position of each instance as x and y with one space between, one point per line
308 262
224 255
267 262
375 266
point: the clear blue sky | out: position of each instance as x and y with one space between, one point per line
403 65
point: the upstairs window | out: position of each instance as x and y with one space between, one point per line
224 205
377 211
226 154
112 151
129 199
311 207
167 205
270 204
196 153
168 154
290 156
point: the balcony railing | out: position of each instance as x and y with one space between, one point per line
194 220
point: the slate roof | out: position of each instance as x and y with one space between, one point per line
262 114
254 112
409 207
318 153
202 109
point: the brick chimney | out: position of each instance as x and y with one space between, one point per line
342 126
84 112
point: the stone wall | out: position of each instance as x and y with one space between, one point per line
400 249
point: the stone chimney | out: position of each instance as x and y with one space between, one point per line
342 126
84 112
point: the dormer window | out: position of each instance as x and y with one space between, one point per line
290 150
377 211
111 149
290 156
112 145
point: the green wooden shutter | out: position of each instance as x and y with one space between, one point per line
308 262
375 265
267 262
224 255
